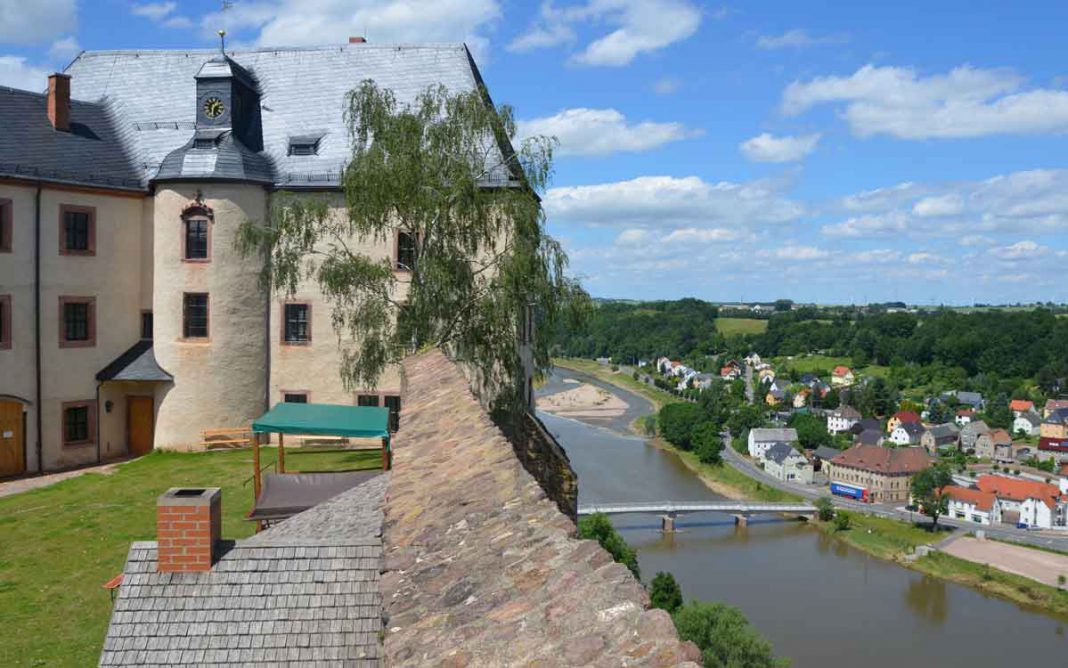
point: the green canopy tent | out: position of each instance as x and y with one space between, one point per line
317 420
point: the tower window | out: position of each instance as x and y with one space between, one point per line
296 327
196 239
195 315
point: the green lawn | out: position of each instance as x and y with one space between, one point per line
738 326
61 543
810 363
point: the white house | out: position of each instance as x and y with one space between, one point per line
752 359
784 462
1029 423
972 505
762 438
907 433
1029 502
842 419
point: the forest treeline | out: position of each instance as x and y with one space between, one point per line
951 344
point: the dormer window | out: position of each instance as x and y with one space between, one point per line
204 144
308 145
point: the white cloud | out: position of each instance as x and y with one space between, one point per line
314 22
880 199
602 131
154 11
796 253
766 148
666 85
926 258
177 22
640 26
876 256
797 39
36 21
887 224
666 202
970 240
689 235
1021 250
950 204
966 102
64 49
17 73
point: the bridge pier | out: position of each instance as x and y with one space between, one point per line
741 520
667 523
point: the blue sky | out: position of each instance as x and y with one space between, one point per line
828 152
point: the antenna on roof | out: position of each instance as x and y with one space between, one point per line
222 42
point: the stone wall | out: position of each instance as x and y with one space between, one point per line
543 458
480 567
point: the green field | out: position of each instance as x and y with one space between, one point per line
738 326
810 363
61 543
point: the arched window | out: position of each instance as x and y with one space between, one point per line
197 219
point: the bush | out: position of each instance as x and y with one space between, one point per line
598 527
724 636
665 593
824 508
842 521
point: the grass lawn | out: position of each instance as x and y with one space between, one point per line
61 543
738 326
810 363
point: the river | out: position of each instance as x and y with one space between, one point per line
819 601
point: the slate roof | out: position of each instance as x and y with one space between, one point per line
847 413
152 94
91 153
869 437
137 363
946 432
826 453
765 434
1033 418
913 429
481 568
780 452
303 592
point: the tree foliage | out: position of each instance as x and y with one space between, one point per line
724 636
598 527
811 430
677 422
665 593
824 508
926 488
707 443
442 170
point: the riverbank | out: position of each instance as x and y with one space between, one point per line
887 539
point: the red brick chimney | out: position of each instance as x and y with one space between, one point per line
357 40
188 528
59 101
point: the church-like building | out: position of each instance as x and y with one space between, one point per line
128 319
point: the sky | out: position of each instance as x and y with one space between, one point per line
828 152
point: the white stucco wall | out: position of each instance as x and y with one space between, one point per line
111 276
219 382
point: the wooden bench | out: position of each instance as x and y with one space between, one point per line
216 439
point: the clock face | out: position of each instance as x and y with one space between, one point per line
213 107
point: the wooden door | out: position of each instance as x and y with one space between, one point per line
139 427
12 439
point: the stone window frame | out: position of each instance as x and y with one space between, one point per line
90 439
64 209
282 318
89 342
196 217
7 227
6 335
207 323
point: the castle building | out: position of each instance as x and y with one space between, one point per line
128 319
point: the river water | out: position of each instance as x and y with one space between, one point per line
819 602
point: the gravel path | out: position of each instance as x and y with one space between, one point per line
1035 564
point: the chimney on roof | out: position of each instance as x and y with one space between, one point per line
188 528
357 40
59 101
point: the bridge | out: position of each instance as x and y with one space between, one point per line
670 510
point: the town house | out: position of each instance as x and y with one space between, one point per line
1026 501
987 442
842 419
972 505
762 438
130 321
875 473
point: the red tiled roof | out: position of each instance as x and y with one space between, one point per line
980 499
877 459
1021 405
1019 490
966 411
999 436
907 416
841 370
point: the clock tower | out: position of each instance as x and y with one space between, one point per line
228 99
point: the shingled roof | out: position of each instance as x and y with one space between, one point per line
302 592
877 459
480 568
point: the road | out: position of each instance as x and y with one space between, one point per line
1008 533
